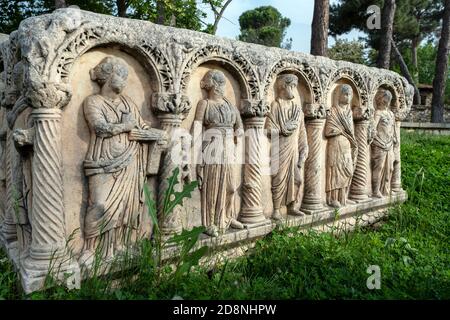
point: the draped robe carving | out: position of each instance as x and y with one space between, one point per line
341 148
116 170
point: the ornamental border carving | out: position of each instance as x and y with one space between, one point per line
91 36
237 61
357 79
296 65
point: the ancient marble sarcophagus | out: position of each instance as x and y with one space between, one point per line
93 107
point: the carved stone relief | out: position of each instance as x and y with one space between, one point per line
94 107
116 162
222 123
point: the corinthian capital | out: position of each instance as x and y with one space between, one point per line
314 111
48 95
171 103
254 108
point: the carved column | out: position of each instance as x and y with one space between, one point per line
396 182
315 120
48 237
48 249
9 227
252 206
171 109
359 188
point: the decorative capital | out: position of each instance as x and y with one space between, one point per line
171 103
362 113
44 95
314 111
254 108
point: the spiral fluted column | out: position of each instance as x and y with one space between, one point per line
359 186
396 182
312 199
47 216
48 238
171 224
254 113
9 227
252 209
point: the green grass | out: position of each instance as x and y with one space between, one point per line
411 247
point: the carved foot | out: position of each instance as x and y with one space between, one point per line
86 259
377 195
350 201
335 204
236 224
277 215
296 212
212 231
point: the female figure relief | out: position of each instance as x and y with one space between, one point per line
215 173
286 118
382 145
341 148
116 162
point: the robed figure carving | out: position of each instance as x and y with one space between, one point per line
342 149
116 162
383 145
216 170
286 119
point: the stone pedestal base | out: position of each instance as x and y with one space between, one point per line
252 216
359 197
313 208
33 274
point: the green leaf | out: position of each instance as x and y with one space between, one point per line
187 234
178 197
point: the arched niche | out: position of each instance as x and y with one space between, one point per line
76 135
233 88
302 96
356 100
387 86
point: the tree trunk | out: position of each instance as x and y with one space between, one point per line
122 8
161 12
218 14
414 45
405 72
440 77
60 4
319 28
387 28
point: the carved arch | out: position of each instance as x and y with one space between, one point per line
357 79
297 66
233 62
395 85
90 37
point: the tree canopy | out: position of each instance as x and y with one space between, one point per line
352 51
264 25
179 13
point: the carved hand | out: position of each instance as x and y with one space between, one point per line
291 125
129 122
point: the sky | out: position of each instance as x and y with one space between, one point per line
300 13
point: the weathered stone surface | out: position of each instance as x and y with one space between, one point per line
94 106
